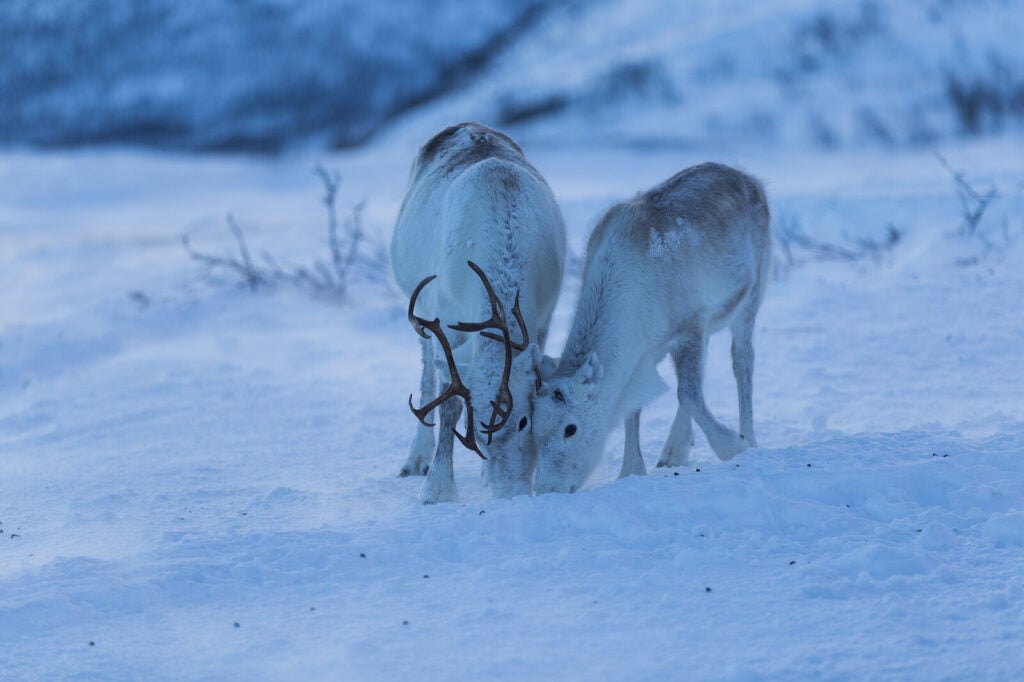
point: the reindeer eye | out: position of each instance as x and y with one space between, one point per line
557 395
570 430
522 423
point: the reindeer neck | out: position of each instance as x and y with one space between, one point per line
606 324
489 355
504 269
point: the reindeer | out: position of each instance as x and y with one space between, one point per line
482 221
663 272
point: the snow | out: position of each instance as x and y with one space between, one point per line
199 482
280 74
796 72
221 74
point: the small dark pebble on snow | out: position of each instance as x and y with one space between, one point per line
676 473
808 464
362 556
92 643
792 562
139 297
405 622
312 608
14 535
919 530
707 589
946 455
737 466
697 470
237 625
425 575
935 454
482 512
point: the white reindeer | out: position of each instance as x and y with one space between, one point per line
479 218
663 272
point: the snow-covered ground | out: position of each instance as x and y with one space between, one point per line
198 482
230 74
829 73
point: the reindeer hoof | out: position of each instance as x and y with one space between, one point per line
435 497
407 472
415 466
729 446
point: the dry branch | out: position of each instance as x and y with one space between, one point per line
346 242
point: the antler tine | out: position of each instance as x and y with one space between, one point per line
501 406
496 320
418 323
522 328
456 387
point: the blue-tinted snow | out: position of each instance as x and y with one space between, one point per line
807 72
199 483
197 456
221 74
270 74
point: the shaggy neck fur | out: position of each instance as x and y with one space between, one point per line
504 270
607 300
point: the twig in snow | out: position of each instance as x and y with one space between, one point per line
973 204
798 247
244 266
347 244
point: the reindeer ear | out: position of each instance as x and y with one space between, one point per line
587 377
547 367
528 359
530 363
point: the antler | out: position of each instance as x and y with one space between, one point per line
456 387
497 319
501 406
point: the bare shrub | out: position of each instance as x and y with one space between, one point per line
973 203
796 247
250 275
350 248
973 207
987 101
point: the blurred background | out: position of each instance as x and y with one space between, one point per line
275 75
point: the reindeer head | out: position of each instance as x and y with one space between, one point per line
569 442
505 395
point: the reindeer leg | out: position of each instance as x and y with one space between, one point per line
743 368
440 483
422 448
689 360
632 460
680 439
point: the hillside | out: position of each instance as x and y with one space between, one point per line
276 74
